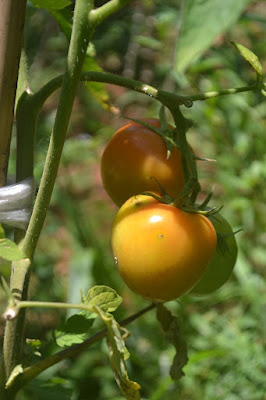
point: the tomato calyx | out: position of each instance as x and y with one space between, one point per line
182 204
164 198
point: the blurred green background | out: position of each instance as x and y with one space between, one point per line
225 332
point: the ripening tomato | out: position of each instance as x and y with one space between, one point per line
133 157
160 250
223 260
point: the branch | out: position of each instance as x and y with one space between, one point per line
164 97
99 14
31 372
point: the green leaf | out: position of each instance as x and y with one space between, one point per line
75 329
202 22
2 232
64 19
10 251
51 5
103 297
96 89
171 327
250 57
118 354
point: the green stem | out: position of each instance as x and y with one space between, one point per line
81 34
97 15
31 372
164 97
13 339
225 92
50 304
188 161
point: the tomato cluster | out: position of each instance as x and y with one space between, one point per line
161 251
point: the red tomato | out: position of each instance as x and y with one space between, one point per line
133 157
161 252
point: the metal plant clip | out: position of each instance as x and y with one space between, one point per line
16 203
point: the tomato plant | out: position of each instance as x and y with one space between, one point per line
223 260
160 250
133 157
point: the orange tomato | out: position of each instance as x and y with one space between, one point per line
133 157
161 251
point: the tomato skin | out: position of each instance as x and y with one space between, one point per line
160 251
135 155
223 261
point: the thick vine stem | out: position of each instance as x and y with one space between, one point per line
81 34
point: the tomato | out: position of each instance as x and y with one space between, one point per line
133 157
223 261
160 250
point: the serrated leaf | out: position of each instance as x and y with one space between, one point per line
75 329
10 251
51 5
118 353
171 327
103 297
250 57
202 22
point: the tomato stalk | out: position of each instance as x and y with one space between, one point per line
192 185
164 97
